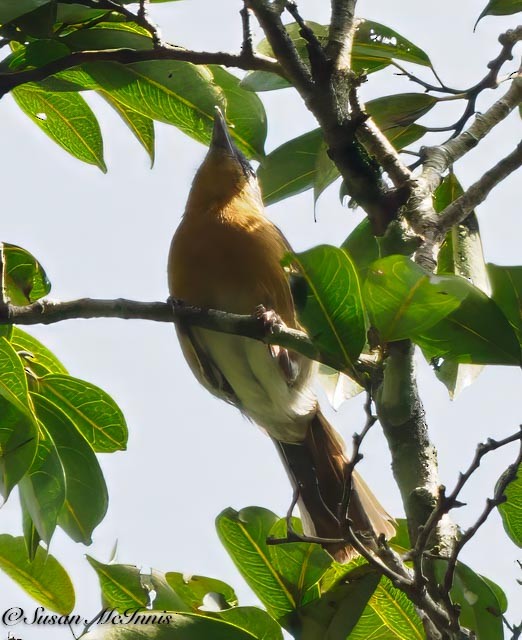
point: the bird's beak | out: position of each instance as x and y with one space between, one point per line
221 138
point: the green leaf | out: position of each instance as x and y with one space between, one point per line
244 111
325 172
31 537
506 283
477 332
92 411
18 442
141 126
461 254
480 609
401 137
254 621
511 510
379 41
12 9
42 489
193 589
263 81
124 588
500 8
400 110
301 564
77 13
336 614
178 93
403 300
243 534
375 45
13 381
25 278
41 52
39 23
36 356
44 579
291 168
109 35
362 247
86 494
67 119
389 615
173 626
333 313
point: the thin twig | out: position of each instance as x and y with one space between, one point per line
315 48
459 209
498 498
355 458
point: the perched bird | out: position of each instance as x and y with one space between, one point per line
227 255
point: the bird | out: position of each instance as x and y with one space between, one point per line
226 254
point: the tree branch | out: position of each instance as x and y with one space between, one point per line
460 208
341 33
50 312
498 498
419 209
9 81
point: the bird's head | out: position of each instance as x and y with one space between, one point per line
224 174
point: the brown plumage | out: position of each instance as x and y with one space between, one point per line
227 255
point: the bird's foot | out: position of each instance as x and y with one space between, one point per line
271 321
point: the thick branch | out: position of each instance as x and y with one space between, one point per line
9 81
269 17
341 33
414 458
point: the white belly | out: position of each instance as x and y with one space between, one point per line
259 383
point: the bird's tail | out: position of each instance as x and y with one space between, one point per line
317 468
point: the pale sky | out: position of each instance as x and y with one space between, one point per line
190 455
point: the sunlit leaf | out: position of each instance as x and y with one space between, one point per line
44 579
178 93
389 615
244 111
177 626
301 563
93 412
86 494
36 356
332 313
25 278
42 489
193 589
125 588
141 126
243 534
67 119
402 299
